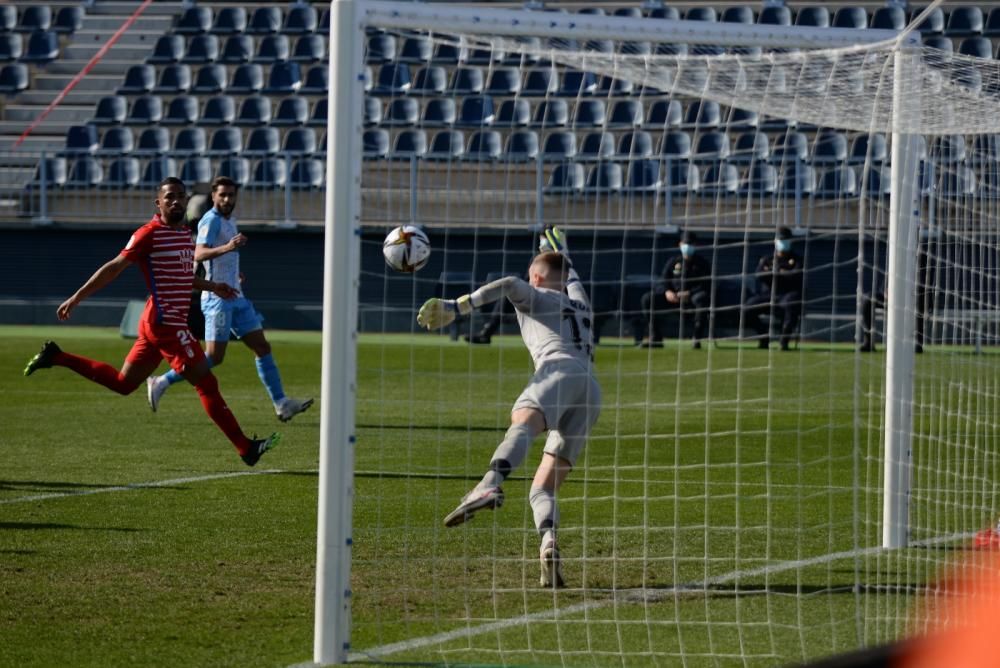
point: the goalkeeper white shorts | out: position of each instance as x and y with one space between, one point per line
570 399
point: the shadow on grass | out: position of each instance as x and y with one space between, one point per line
45 485
35 526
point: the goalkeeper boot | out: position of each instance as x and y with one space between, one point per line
258 446
43 360
155 387
478 499
551 566
288 408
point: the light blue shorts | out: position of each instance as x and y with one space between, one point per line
224 316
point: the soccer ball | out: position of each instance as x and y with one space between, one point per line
406 248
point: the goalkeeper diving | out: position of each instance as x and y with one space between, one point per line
562 397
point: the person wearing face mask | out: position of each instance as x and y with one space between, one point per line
778 292
684 285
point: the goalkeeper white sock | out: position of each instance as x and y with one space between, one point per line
546 512
508 455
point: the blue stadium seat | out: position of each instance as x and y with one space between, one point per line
299 20
777 15
750 147
466 81
86 172
484 57
669 49
392 79
643 177
720 179
238 169
11 46
540 83
226 140
8 17
635 48
592 11
309 49
984 150
52 170
977 47
182 110
575 83
429 80
196 170
703 114
669 13
942 44
254 110
599 46
229 21
375 144
35 17
741 14
991 28
381 49
446 145
965 21
888 18
320 113
218 110
829 148
110 110
43 47
628 12
837 182
665 114
415 50
626 114
116 141
210 79
201 49
968 76
302 142
552 113
269 173
560 146
14 78
81 140
604 178
156 170
194 20
292 111
439 112
272 49
401 112
597 146
284 78
635 145
324 22
188 141
675 145
264 21
818 17
247 79
957 181
741 119
476 111
174 79
145 110
307 174
609 86
566 179
866 148
797 179
933 24
791 146
590 114
504 81
153 140
446 53
372 111
521 146
68 20
237 49
484 146
514 113
409 144
850 17
711 147
138 79
761 180
316 81
682 177
948 149
122 173
262 141
707 14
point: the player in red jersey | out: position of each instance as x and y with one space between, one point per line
164 251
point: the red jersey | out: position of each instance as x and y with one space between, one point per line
166 257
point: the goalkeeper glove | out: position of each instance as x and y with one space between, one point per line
437 313
553 239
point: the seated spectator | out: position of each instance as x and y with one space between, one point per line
685 285
779 277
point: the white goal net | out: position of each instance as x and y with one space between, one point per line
785 457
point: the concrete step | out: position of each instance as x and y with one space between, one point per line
75 97
133 37
116 65
67 114
35 144
126 7
103 83
134 54
110 23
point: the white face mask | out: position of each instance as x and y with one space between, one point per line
782 245
687 250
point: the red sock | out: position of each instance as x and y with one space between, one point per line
215 406
98 372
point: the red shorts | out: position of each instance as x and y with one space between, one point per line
177 345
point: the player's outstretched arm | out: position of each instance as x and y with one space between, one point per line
437 313
108 272
554 239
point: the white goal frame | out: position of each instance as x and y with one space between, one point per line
348 19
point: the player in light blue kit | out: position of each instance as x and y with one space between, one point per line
217 246
563 396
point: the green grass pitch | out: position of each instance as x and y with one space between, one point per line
729 517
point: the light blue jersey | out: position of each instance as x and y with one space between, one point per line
223 316
214 230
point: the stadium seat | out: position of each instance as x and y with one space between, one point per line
484 146
309 49
218 110
446 145
817 17
81 140
145 110
778 15
984 150
977 47
307 174
316 81
375 144
797 180
476 111
229 21
968 76
264 21
589 114
225 141
372 111
597 146
991 27
947 149
324 22
575 83
238 169
401 112
888 18
284 78
116 141
552 113
791 146
761 180
850 17
609 86
599 46
439 112
8 17
706 50
669 13
269 173
964 21
829 148
139 79
201 49
741 119
262 141
153 140
52 171
540 83
447 53
837 183
320 113
302 142
195 20
515 113
392 79
566 178
933 24
182 110
504 81
636 145
521 146
604 178
254 110
11 46
110 110
299 20
559 146
711 147
292 111
868 147
625 114
703 114
237 49
210 79
750 147
592 11
86 172
174 79
429 80
675 145
381 49
466 81
43 47
665 114
737 15
707 14
247 79
68 20
628 12
415 50
272 49
720 179
196 170
14 78
484 57
122 173
643 176
671 49
188 141
168 49
409 144
35 17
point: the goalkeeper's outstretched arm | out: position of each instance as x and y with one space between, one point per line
437 313
554 239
